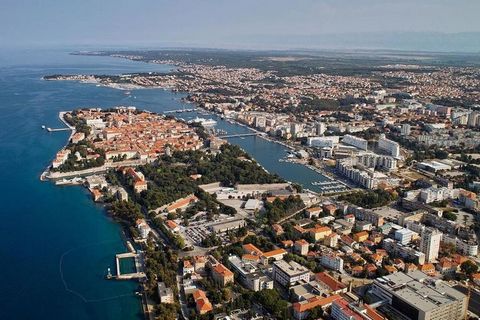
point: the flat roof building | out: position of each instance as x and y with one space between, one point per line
418 296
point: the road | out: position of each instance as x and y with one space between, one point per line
474 303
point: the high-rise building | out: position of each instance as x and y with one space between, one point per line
474 119
320 128
405 130
392 147
430 243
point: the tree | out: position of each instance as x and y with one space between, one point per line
450 216
469 267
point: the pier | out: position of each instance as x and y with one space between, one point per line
57 129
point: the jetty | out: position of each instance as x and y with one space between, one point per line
242 135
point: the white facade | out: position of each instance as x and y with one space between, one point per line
321 142
332 262
430 243
355 141
403 236
289 273
392 147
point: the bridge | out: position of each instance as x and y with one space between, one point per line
242 135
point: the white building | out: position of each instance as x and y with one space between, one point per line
433 194
430 243
165 294
389 146
405 130
321 142
355 141
289 273
403 236
469 248
249 275
332 261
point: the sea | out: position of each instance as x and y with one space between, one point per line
57 244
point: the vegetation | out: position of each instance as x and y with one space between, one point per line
273 302
449 215
469 267
126 211
280 208
370 199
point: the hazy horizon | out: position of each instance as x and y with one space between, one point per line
431 25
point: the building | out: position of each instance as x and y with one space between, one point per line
360 236
403 236
165 294
397 250
430 243
249 275
202 303
289 273
341 311
466 247
389 146
331 240
405 130
143 228
332 261
359 143
332 285
419 297
437 194
222 275
301 247
321 142
319 233
301 309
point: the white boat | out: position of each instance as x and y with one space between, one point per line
205 122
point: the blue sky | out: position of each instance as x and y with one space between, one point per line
222 23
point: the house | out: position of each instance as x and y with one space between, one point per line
409 267
301 247
357 271
252 249
143 228
250 258
199 263
377 259
390 269
222 275
313 212
252 205
320 232
97 195
399 264
165 294
329 209
277 229
187 267
427 268
476 278
276 254
202 303
331 240
287 243
172 225
301 309
370 270
360 236
447 267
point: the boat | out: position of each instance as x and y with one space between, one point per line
127 93
109 274
43 127
204 122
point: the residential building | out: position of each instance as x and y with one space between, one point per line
202 303
389 146
301 309
249 275
403 236
430 243
301 247
332 261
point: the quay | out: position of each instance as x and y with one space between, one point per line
180 110
57 129
242 135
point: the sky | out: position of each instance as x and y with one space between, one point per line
233 23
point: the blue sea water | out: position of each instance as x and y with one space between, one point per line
56 244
